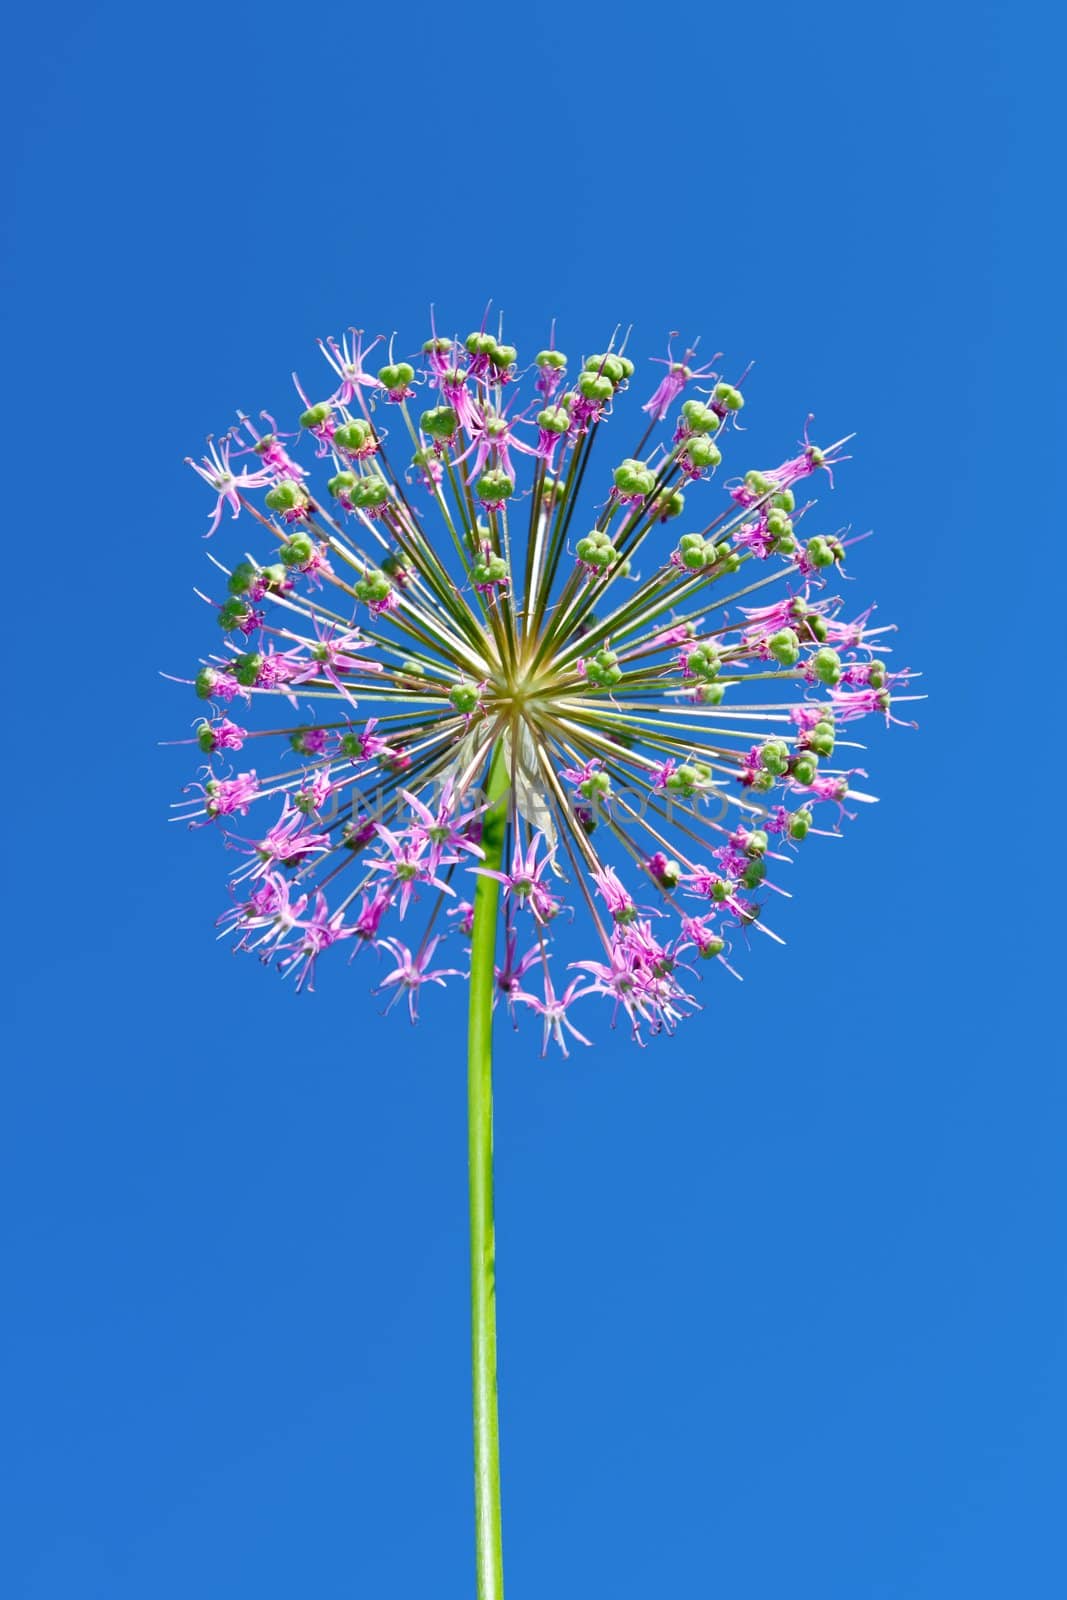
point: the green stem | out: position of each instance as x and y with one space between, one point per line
489 1556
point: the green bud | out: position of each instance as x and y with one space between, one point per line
316 414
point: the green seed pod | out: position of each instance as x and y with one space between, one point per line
315 415
440 422
554 419
374 587
821 741
246 668
799 824
754 874
593 386
711 694
785 647
243 577
774 757
298 550
480 344
232 614
555 360
494 486
703 452
611 367
354 436
204 683
785 500
669 504
465 697
205 738
369 493
758 483
396 376
827 666
876 674
805 767
505 355
729 397
633 477
284 496
819 552
342 483
700 418
756 843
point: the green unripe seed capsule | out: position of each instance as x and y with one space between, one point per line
595 387
354 436
232 614
494 486
242 577
465 697
827 665
555 360
633 477
369 493
820 553
246 669
703 452
554 419
784 647
342 483
480 344
284 497
608 366
396 375
298 551
505 355
805 767
440 422
700 418
800 824
729 397
315 415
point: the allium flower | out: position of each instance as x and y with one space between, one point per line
635 722
568 693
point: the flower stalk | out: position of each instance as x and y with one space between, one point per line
488 1551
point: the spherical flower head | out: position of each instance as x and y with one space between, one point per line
658 746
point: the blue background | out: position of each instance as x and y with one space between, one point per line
781 1302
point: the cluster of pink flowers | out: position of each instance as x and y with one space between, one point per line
668 742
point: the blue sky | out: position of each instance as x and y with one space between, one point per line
781 1304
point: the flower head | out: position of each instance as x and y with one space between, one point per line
667 706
